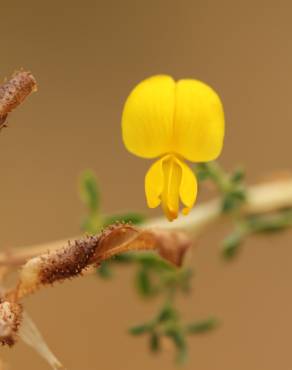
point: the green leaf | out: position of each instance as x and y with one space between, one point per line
230 186
233 200
232 243
124 258
202 326
140 329
202 172
180 343
153 261
238 176
270 223
89 191
182 355
167 313
104 270
185 279
154 342
130 217
143 283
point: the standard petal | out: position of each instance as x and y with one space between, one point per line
147 121
188 187
154 181
198 121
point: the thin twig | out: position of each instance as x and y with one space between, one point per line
262 198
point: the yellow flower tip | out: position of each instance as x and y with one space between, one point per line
186 211
170 214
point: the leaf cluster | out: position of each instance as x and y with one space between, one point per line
154 277
233 194
167 325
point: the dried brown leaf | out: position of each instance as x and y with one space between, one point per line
76 257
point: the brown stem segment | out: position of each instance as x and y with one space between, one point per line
73 259
14 91
10 319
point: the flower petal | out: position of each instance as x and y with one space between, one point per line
188 187
198 121
147 121
170 195
154 181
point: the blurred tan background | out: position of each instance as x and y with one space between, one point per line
86 57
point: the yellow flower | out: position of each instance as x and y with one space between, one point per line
174 121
